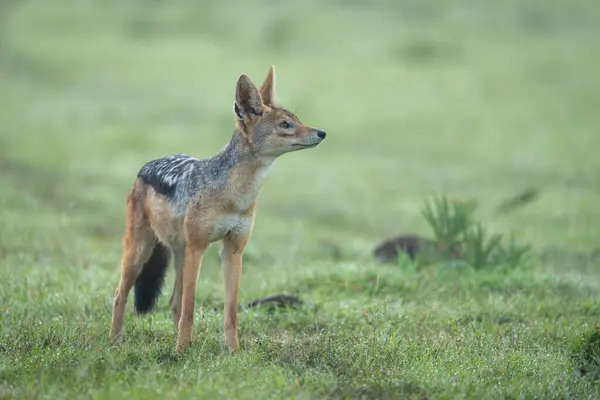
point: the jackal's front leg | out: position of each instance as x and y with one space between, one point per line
231 259
191 268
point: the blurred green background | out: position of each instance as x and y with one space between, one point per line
476 99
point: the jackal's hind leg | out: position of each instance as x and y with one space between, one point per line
138 243
175 301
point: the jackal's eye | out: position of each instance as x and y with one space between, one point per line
285 125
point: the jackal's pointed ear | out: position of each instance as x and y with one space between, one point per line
247 98
267 90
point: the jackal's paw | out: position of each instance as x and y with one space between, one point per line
232 346
181 347
115 337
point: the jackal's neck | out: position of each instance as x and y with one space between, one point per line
238 153
245 171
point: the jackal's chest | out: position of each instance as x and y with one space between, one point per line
229 223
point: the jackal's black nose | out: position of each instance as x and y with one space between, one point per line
321 134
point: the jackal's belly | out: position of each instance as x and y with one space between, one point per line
225 224
169 230
172 233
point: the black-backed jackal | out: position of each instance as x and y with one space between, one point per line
179 205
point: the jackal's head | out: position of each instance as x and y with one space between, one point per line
270 129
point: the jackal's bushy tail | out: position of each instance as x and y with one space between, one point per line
149 283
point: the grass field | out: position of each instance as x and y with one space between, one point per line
475 99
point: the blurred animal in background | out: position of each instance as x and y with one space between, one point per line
413 246
276 301
271 303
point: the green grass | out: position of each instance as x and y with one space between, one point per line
475 99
